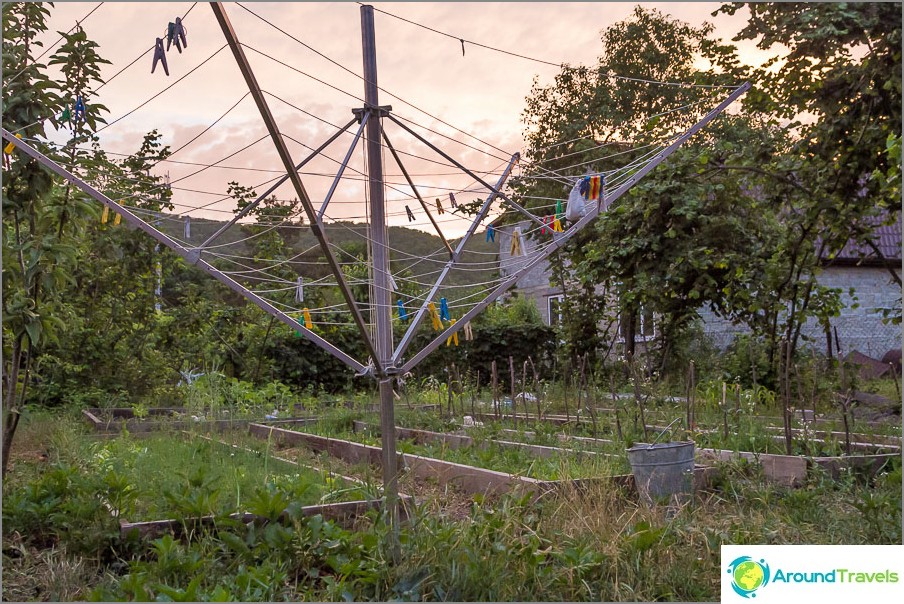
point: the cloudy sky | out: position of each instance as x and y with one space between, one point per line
481 93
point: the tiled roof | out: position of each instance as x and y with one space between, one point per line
887 238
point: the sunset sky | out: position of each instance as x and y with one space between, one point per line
482 93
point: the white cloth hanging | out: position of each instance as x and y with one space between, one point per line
577 205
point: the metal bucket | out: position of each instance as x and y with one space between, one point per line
663 470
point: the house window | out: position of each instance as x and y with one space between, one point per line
554 308
644 328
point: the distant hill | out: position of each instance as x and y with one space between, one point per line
408 247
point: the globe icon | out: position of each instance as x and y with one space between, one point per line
748 575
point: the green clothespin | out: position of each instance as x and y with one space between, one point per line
560 213
67 116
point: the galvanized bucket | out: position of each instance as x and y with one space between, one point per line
663 470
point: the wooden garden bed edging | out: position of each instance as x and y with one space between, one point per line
350 479
343 513
457 441
468 479
125 417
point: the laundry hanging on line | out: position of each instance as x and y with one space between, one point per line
159 55
453 337
434 316
175 32
517 249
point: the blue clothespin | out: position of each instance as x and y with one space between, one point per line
444 310
585 186
79 108
159 55
402 314
175 32
491 234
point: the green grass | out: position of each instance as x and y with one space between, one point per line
593 545
492 456
171 475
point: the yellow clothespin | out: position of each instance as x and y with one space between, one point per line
307 318
453 337
557 225
105 216
117 219
8 149
469 333
434 316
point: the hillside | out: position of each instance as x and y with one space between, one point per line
408 248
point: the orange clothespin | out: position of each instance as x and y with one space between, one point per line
439 207
453 337
307 318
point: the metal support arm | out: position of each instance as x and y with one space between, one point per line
572 230
412 329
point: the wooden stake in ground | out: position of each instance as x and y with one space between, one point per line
616 406
474 392
566 373
449 389
495 380
536 389
691 396
724 413
512 371
784 362
590 402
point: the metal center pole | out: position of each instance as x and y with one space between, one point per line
382 317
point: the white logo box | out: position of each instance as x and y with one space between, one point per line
801 573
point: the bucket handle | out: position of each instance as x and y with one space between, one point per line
666 429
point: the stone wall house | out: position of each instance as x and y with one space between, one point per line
860 325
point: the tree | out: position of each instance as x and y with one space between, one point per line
681 238
838 89
38 252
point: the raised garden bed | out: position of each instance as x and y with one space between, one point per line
187 482
468 478
789 470
165 418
